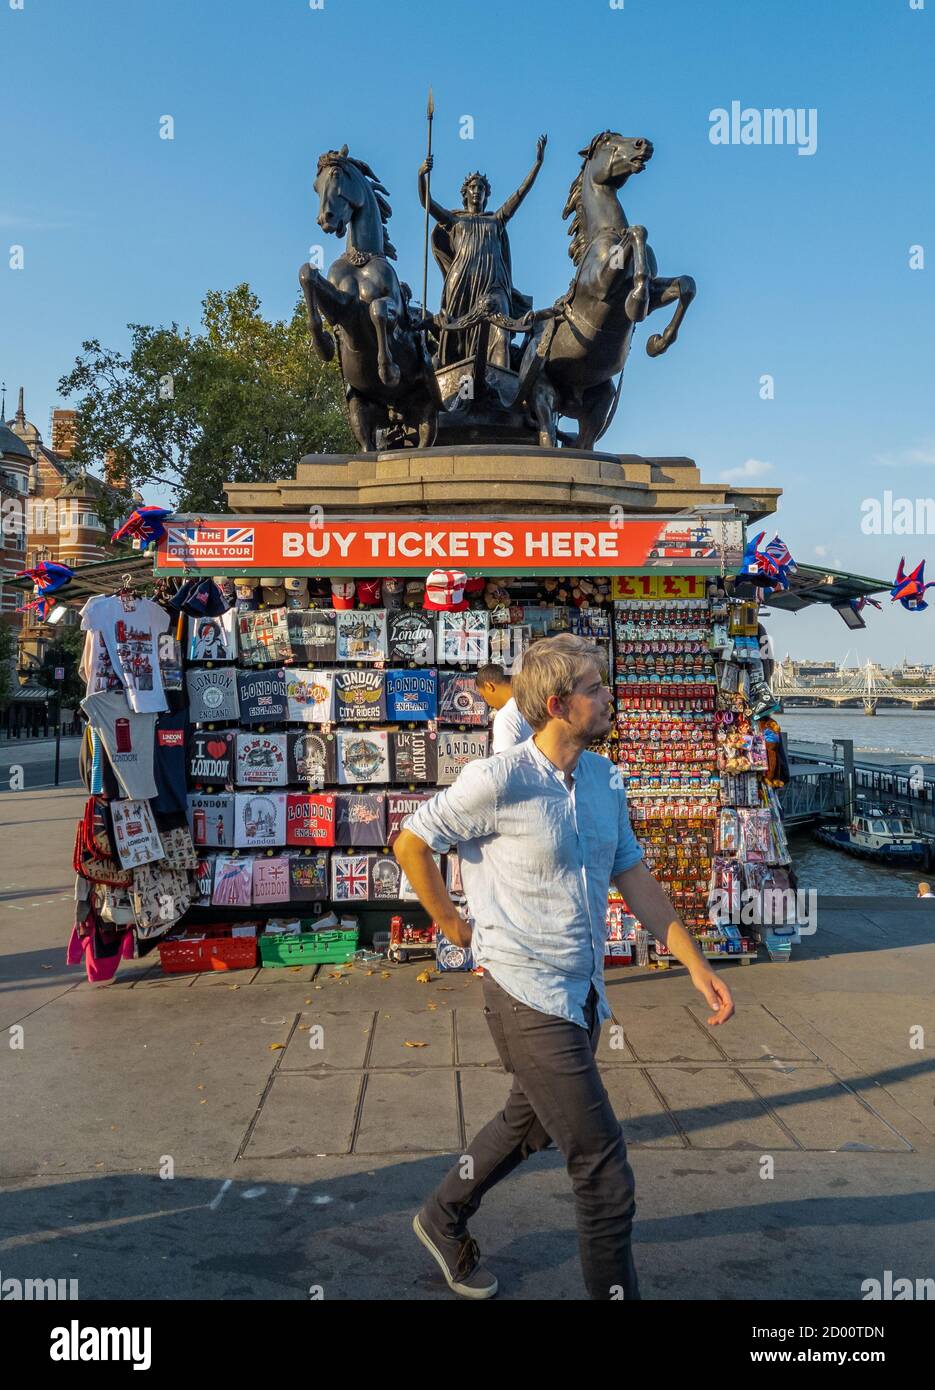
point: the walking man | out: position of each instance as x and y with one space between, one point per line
541 832
496 690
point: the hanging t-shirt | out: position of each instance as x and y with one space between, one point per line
363 757
411 637
361 818
212 638
263 637
415 755
459 701
170 663
455 751
259 820
308 877
128 739
170 763
464 637
211 819
385 878
212 695
350 877
361 635
311 635
310 818
204 879
312 759
233 881
136 838
399 805
310 696
411 695
211 757
271 879
262 696
359 695
130 629
261 760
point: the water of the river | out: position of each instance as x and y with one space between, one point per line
907 732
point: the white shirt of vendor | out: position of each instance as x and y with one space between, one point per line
509 727
127 631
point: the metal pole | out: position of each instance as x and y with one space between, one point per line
430 112
58 733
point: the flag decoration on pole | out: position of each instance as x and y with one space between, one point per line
48 577
145 525
769 566
908 589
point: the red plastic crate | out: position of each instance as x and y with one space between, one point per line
214 953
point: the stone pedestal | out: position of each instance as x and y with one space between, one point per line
481 480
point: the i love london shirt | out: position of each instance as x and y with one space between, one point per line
129 630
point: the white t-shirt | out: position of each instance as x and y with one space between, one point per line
127 632
509 727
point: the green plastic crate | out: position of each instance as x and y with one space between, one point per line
309 948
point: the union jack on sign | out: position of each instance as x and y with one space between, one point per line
214 544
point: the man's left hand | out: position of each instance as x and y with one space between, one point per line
716 992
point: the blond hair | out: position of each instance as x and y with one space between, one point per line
553 666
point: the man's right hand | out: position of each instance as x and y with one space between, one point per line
427 165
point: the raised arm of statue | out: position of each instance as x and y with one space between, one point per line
505 212
442 215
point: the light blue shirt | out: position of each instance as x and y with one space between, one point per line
536 864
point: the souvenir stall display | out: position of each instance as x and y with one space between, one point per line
255 744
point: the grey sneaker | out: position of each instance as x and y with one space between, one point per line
458 1259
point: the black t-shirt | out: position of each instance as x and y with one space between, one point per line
262 696
170 763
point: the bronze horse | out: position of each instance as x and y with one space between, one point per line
570 362
388 378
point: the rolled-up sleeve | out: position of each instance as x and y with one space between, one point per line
629 849
467 810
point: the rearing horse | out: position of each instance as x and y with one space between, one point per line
569 365
387 373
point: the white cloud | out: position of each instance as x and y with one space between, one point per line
748 470
821 550
921 456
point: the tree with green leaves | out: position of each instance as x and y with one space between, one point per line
242 400
65 650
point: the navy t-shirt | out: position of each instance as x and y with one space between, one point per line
169 762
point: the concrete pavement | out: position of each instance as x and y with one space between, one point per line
179 1137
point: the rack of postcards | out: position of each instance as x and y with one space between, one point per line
689 686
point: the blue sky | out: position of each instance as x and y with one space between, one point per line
802 261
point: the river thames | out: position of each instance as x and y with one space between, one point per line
910 733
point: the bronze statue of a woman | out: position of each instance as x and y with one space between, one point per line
473 254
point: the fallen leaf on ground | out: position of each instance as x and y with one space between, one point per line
385 974
410 1043
424 978
274 1047
431 1006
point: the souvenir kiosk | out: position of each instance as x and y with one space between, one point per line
319 678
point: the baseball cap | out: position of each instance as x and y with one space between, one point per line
342 593
201 598
273 591
444 591
297 592
368 592
245 589
393 590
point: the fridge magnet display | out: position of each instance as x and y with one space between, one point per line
363 757
459 701
455 751
310 696
310 818
361 635
361 818
411 695
312 759
262 696
212 695
211 820
411 637
259 820
359 695
414 755
261 760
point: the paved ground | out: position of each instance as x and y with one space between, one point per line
29 763
294 1166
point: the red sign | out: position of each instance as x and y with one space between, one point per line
376 545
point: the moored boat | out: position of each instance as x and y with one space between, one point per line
888 838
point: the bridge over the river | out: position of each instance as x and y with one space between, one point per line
863 686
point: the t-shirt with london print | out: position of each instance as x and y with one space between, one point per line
129 630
